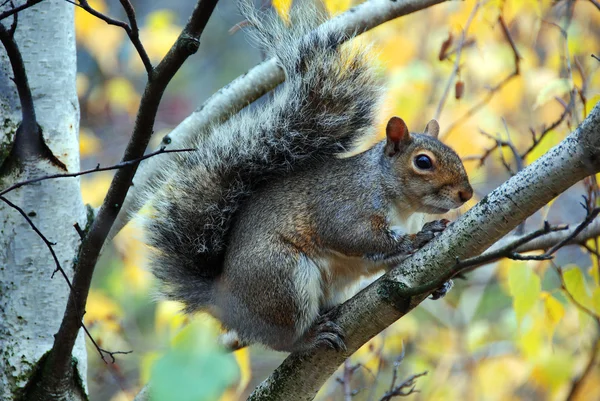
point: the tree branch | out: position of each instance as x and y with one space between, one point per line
59 360
130 29
12 11
92 170
299 377
259 80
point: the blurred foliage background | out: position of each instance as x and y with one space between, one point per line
511 331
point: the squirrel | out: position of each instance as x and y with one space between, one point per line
264 226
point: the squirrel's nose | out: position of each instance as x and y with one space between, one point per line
465 194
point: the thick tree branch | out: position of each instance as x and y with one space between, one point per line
59 360
259 80
385 301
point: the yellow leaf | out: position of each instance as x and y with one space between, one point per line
146 365
531 341
336 7
158 35
122 95
101 309
160 19
169 317
88 143
283 8
94 187
576 286
554 311
524 286
552 371
557 87
242 357
596 301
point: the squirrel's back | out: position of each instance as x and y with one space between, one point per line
329 100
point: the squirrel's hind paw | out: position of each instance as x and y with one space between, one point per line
324 333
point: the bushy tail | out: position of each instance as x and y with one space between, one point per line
329 99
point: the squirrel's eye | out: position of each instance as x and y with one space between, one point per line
423 162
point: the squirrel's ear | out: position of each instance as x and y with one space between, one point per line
397 135
432 129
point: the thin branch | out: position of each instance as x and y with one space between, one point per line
496 88
59 360
131 29
404 388
93 170
577 304
536 139
50 246
456 67
47 242
577 384
27 4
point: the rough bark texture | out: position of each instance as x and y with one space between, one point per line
32 303
383 302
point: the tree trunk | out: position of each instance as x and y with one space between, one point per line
32 298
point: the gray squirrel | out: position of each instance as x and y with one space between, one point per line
264 226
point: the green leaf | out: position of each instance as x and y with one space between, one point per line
525 287
195 369
577 287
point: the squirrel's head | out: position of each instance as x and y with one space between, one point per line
428 174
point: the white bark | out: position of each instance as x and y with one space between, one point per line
248 87
32 303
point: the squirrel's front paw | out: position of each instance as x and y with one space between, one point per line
443 290
429 232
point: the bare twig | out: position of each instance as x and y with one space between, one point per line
58 268
577 384
93 170
536 139
577 304
456 67
48 243
131 29
496 88
404 388
22 7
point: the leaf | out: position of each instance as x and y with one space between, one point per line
552 371
554 311
121 94
576 286
524 286
283 8
557 87
336 7
596 301
88 143
195 369
242 358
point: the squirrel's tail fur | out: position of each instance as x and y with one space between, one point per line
328 100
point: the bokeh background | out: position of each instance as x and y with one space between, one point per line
508 332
